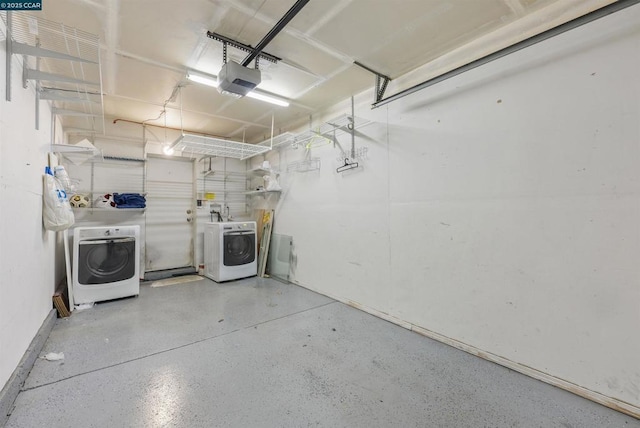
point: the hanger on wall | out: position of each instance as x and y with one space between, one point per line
347 165
349 162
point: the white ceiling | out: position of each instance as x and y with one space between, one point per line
147 46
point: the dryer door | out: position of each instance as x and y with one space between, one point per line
239 248
103 261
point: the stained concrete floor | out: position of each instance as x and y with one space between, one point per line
259 353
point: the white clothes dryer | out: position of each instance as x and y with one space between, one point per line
230 250
106 263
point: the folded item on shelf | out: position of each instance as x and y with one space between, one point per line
104 201
129 200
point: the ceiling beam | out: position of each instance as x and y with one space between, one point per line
111 43
516 7
331 13
149 61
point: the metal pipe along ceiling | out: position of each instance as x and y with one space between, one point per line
115 121
275 30
570 25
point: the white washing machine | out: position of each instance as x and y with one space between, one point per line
230 250
106 263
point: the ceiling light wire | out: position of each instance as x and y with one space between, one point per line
181 126
166 149
171 99
272 123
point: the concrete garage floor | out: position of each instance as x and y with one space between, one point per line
259 353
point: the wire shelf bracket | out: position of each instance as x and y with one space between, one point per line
381 80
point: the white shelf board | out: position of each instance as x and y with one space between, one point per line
261 192
77 154
109 210
262 171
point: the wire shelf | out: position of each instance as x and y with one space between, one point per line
342 124
283 138
67 70
36 31
209 146
306 165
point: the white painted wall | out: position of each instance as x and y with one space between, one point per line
500 208
31 259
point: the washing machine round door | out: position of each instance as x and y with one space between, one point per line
239 248
102 261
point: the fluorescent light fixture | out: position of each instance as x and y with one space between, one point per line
210 80
268 98
167 150
205 79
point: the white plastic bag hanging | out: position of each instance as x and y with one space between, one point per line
271 182
56 210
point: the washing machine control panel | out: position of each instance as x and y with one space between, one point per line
228 227
104 232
